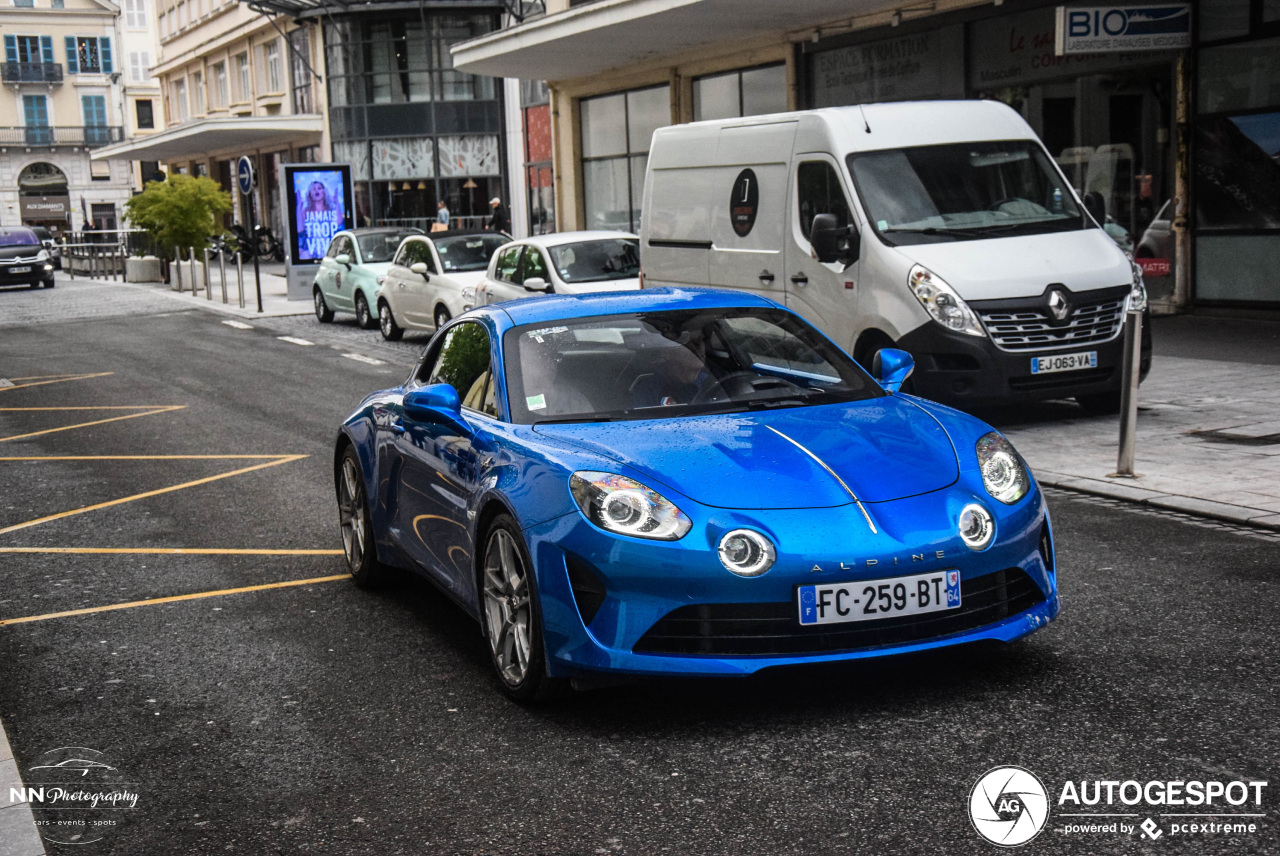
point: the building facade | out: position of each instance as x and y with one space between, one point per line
1183 145
235 82
69 94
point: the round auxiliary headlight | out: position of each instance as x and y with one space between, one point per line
976 527
746 552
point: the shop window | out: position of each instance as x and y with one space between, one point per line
1224 19
616 130
753 92
1237 176
1240 76
104 215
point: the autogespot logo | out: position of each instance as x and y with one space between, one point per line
1009 806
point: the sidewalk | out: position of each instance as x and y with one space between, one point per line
275 290
1208 440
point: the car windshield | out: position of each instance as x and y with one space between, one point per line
963 191
660 365
468 252
18 238
597 261
381 246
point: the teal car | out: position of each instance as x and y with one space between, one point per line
349 274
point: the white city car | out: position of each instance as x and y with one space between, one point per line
564 263
433 278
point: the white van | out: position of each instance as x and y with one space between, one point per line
943 228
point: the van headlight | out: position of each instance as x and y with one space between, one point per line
1138 293
627 507
942 303
1003 473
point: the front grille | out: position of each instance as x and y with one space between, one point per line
1029 328
773 629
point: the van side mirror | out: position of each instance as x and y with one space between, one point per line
438 402
833 242
892 367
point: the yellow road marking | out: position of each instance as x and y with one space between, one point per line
174 551
174 599
287 459
139 457
45 376
62 379
168 408
93 407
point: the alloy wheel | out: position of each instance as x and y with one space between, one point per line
508 611
351 513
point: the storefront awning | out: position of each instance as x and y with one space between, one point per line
229 136
612 34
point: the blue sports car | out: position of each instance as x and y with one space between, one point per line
687 482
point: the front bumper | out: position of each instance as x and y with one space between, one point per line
967 371
37 272
604 598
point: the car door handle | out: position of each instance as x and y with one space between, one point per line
800 279
766 277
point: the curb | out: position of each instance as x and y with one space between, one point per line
18 835
1222 511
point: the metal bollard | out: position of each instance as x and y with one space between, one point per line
1132 372
222 272
240 278
208 292
177 268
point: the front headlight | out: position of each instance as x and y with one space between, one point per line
1003 473
1138 293
622 505
942 303
42 256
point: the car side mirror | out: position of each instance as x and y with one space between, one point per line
438 402
833 242
420 268
343 259
892 367
535 283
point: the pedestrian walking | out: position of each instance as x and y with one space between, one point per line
500 221
442 217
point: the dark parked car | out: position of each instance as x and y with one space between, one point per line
23 258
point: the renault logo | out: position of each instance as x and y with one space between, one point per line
1059 306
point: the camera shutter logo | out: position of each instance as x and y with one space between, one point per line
1009 806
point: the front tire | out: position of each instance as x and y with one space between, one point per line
357 529
442 316
364 318
391 331
511 616
323 313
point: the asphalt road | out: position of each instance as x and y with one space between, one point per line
320 718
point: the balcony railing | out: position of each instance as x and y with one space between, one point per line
90 136
31 72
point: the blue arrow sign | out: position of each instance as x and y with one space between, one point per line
244 172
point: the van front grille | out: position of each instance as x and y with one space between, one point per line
1031 329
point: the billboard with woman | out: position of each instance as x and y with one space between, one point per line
320 201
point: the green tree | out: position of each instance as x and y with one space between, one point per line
182 211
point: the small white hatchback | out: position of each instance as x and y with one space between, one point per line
563 263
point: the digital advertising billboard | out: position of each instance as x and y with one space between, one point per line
319 206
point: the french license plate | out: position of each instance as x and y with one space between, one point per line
870 600
23 269
1064 362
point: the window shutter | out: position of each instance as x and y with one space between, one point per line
11 48
46 49
104 52
72 64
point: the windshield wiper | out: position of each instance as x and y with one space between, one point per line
933 230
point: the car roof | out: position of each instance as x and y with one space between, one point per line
558 238
458 233
381 230
560 307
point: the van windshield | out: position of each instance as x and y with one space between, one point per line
963 192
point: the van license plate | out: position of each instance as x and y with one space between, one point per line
23 269
1064 362
870 600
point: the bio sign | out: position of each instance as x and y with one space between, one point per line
1112 29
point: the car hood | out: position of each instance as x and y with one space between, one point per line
882 449
1081 261
20 251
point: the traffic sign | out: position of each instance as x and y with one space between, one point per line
244 172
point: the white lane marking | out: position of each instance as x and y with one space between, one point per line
239 325
294 341
5 382
361 358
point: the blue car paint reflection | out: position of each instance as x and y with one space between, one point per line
617 603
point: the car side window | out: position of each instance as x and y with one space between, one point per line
534 265
463 362
427 257
508 269
334 246
820 192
